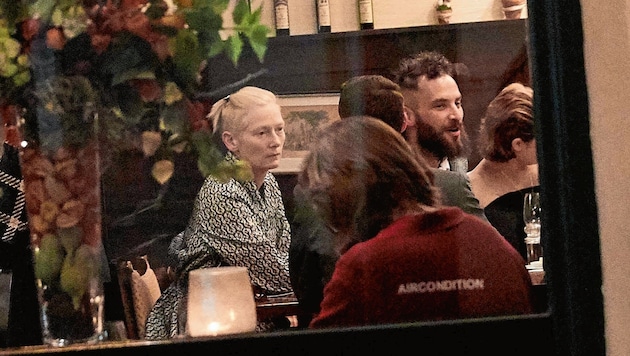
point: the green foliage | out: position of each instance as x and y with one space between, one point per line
14 65
138 71
70 238
66 107
11 11
187 58
128 57
254 32
77 270
49 259
240 11
234 48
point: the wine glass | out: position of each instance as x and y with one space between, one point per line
531 217
531 213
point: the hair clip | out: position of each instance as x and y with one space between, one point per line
227 98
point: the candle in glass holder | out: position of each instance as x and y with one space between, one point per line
220 301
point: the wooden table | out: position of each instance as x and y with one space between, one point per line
271 307
539 290
537 276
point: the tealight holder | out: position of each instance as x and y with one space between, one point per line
220 301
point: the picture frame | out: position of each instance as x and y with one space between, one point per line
304 116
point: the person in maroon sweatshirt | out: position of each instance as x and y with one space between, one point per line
404 257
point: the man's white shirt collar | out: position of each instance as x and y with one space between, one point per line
445 165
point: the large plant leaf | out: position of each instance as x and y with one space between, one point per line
217 47
206 23
241 10
258 40
205 15
234 48
256 33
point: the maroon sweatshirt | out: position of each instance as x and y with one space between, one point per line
431 266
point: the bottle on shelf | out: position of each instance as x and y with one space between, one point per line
281 9
323 15
366 16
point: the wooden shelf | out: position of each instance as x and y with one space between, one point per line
321 62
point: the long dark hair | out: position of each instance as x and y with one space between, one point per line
359 173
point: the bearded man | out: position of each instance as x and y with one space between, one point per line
433 103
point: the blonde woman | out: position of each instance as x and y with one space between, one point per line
240 222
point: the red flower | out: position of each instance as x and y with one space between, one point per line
100 42
55 38
159 44
30 28
135 22
196 111
149 89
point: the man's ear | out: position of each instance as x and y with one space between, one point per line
229 141
518 144
410 118
405 122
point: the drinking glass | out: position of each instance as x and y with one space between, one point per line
531 217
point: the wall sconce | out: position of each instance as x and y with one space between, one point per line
220 301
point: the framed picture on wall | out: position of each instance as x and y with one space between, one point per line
304 115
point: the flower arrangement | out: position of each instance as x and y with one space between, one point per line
133 66
120 74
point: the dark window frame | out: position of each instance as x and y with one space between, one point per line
574 324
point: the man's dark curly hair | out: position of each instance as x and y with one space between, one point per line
427 63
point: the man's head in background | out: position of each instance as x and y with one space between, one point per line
373 95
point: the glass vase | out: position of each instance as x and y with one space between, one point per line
63 202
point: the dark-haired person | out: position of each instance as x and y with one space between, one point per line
434 106
509 167
403 256
311 257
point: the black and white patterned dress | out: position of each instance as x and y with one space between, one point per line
16 254
234 224
12 206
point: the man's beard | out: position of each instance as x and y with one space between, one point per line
440 146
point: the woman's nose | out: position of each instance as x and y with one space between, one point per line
277 139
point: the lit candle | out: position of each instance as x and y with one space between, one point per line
220 301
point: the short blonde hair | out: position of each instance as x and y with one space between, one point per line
230 113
